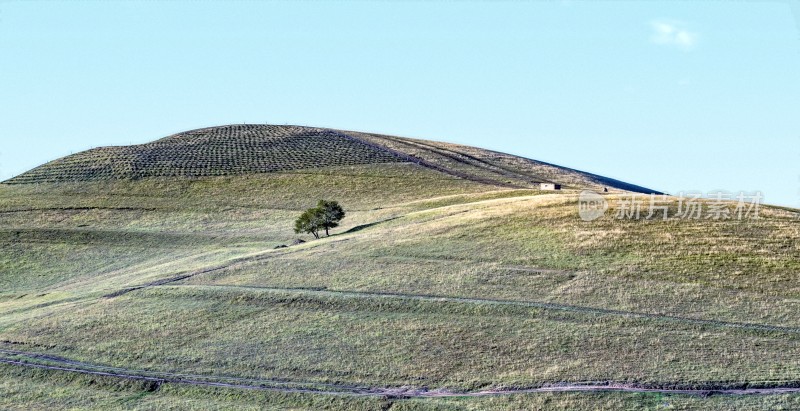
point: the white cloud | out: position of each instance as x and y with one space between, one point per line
672 33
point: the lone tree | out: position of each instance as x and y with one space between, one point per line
324 216
331 213
309 222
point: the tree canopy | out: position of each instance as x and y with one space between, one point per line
325 216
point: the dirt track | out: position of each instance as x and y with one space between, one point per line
47 362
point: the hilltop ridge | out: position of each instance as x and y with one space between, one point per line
244 149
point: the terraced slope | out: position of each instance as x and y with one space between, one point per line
227 150
253 149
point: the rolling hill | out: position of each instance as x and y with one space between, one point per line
251 149
154 277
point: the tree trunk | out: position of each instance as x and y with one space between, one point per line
326 232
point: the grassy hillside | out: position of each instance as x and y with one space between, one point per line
439 281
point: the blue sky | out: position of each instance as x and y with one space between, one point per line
672 95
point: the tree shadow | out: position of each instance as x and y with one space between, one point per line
368 225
